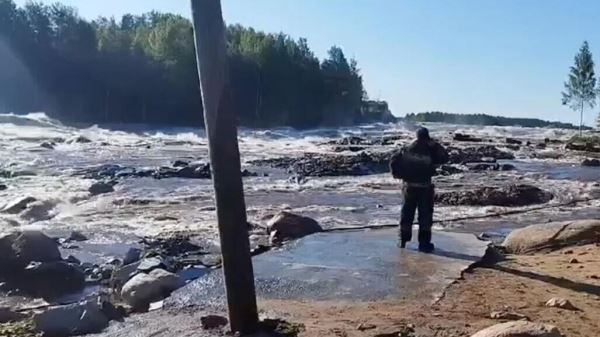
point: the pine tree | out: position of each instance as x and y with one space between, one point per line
580 88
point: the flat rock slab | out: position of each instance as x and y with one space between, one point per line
350 265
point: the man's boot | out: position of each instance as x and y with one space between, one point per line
425 244
405 236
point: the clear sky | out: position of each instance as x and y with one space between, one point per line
502 57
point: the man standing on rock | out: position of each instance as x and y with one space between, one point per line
415 165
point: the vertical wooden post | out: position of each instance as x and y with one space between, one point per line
220 123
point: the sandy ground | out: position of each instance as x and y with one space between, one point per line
520 284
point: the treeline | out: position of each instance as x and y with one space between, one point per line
143 69
483 119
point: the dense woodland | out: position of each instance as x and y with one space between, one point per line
482 119
143 69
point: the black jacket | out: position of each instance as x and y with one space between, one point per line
419 161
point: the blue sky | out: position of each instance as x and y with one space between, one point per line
504 57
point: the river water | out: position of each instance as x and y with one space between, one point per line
145 206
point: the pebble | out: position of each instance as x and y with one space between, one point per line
573 260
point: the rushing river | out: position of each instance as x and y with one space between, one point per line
146 206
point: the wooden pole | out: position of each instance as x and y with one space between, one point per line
220 123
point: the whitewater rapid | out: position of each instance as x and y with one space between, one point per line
145 206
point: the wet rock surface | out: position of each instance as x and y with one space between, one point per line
513 195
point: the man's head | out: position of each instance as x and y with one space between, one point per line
423 134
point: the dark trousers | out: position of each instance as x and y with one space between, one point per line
421 199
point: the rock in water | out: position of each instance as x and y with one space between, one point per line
74 319
78 140
519 329
18 205
558 302
287 226
102 187
513 195
38 211
142 289
77 236
591 162
553 235
48 145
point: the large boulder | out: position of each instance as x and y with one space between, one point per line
553 235
17 250
288 226
51 279
591 162
102 187
142 289
512 195
519 329
74 319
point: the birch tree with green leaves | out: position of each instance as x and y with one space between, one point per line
580 88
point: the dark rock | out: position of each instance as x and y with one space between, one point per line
17 206
460 137
507 167
13 174
72 260
476 154
48 145
490 167
513 147
513 195
246 173
74 319
19 249
343 148
180 163
102 187
213 322
287 226
583 146
540 146
78 140
132 255
172 245
51 279
449 170
3 187
320 165
591 162
351 140
76 236
513 141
